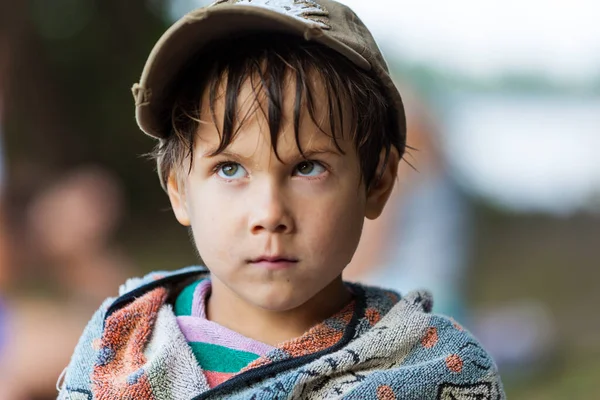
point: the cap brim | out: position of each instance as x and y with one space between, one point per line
192 33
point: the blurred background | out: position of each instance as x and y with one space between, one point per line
500 218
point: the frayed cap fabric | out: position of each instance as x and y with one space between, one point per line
327 22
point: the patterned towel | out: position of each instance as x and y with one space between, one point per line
384 349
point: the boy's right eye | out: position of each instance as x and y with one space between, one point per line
231 170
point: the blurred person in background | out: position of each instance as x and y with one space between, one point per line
61 225
70 225
423 238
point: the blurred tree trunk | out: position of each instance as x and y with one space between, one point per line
68 100
30 116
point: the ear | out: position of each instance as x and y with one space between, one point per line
380 192
176 193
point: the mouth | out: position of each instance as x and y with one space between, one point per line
273 262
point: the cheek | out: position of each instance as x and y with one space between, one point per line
215 224
336 227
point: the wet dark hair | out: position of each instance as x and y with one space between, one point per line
270 63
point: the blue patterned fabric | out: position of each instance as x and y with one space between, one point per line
390 349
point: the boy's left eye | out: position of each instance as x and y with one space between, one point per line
309 168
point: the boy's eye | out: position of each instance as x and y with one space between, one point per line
231 171
309 168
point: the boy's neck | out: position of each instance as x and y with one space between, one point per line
274 327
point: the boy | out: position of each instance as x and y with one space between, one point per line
279 131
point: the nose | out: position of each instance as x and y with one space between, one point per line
270 211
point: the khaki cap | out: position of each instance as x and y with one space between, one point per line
324 21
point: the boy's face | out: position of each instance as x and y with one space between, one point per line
274 233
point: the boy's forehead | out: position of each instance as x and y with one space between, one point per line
315 133
254 91
254 136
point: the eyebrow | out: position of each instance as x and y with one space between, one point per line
209 153
316 151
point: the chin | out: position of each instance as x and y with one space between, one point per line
276 300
